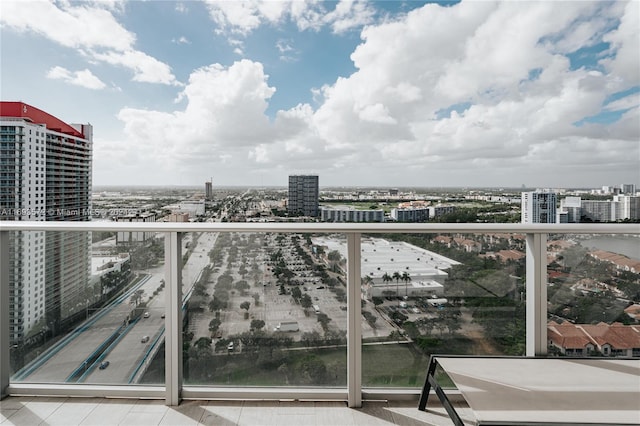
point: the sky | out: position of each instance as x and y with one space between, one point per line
360 93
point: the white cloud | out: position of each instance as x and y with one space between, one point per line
89 27
181 7
181 40
626 43
384 114
506 62
84 78
224 113
349 14
146 68
628 102
243 17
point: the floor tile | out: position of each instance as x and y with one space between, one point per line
187 413
109 412
34 412
221 413
73 411
261 413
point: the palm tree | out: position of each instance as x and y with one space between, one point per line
396 276
406 278
386 278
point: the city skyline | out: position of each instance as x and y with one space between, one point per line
407 94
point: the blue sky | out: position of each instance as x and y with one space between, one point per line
389 93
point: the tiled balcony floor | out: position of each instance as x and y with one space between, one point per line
31 411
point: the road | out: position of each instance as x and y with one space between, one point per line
127 351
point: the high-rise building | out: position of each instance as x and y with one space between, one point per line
45 175
538 207
208 190
628 189
627 207
570 210
304 192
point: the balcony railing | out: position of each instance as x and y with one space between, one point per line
175 386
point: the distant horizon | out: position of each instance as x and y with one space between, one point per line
355 187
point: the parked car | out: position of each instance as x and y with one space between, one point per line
103 365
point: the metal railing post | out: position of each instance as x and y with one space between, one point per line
173 320
536 288
354 322
5 351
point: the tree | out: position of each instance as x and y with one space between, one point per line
216 304
136 297
406 278
305 301
245 305
334 256
214 324
242 270
387 278
203 343
225 281
242 286
257 324
324 320
256 298
396 276
296 293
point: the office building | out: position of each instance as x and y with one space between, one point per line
411 214
45 175
538 207
304 192
126 237
628 189
598 210
627 207
345 214
439 210
570 210
208 190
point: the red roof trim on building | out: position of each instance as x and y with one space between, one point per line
37 116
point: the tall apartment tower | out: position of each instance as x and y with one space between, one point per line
208 190
538 207
45 175
628 189
304 192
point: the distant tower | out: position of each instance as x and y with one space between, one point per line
628 189
538 207
208 190
303 195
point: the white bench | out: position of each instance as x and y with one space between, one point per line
540 391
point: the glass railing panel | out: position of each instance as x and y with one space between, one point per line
593 281
429 294
265 309
86 308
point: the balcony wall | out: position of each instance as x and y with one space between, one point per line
364 338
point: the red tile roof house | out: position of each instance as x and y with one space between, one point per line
583 339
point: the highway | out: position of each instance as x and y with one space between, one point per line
107 337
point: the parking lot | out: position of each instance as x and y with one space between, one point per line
272 306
